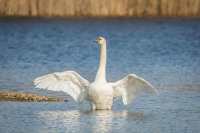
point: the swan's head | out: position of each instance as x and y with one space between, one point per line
101 40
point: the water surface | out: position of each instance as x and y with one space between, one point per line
165 52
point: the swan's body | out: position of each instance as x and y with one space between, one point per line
100 93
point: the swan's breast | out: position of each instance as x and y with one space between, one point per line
101 95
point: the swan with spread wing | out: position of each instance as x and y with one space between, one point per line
99 93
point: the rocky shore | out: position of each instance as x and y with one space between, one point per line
26 97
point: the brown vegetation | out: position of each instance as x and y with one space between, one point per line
100 8
26 97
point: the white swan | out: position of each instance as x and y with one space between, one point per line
100 93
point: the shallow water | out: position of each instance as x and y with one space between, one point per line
170 112
165 52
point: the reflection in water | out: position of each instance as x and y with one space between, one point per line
65 120
170 112
94 121
103 121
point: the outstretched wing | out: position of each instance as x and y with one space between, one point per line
69 82
130 86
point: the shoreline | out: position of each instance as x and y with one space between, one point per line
98 17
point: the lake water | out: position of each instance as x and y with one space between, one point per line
165 52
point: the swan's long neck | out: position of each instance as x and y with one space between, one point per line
101 73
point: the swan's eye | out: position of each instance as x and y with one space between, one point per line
99 39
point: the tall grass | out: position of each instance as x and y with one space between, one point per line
100 8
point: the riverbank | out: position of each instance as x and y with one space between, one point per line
26 97
103 8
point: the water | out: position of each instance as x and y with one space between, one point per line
165 52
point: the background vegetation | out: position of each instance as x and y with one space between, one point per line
100 8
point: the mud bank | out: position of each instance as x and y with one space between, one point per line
26 97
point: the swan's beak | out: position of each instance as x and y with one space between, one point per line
96 41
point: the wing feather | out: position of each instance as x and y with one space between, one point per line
131 86
69 82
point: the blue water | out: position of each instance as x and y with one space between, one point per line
165 52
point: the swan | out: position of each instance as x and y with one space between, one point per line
99 93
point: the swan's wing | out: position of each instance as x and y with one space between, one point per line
130 86
69 82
